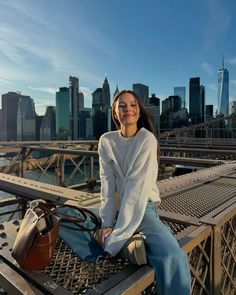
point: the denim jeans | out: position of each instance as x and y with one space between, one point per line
164 254
162 250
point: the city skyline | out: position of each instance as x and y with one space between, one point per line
161 44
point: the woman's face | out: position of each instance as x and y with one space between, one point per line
127 110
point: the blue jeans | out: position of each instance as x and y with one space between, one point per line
162 249
164 254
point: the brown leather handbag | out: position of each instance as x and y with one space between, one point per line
36 240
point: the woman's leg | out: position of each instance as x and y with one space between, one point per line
165 255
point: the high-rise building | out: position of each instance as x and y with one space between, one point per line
38 126
106 102
74 107
173 116
223 91
180 91
203 103
116 91
196 101
171 104
10 102
48 126
98 114
209 112
97 98
153 108
85 124
81 100
232 107
0 124
142 91
63 114
106 97
26 119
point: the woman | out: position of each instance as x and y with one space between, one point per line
129 167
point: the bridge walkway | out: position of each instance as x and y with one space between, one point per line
199 208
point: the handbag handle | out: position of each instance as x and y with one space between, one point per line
52 208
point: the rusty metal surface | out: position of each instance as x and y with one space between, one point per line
228 257
76 275
211 248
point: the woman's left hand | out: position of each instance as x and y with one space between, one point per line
101 234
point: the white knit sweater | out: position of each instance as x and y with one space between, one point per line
128 166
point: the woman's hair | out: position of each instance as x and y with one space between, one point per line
144 119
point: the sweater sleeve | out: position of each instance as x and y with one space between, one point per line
107 209
137 188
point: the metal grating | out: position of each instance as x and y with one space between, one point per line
201 200
174 226
76 275
200 260
228 257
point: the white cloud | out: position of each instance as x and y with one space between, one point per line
41 107
207 68
46 89
4 81
233 82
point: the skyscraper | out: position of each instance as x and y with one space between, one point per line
153 108
106 102
63 114
26 119
203 103
74 107
116 91
106 97
0 124
81 100
223 91
209 112
142 91
180 91
196 101
85 124
47 130
232 107
10 102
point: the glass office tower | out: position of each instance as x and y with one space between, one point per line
223 91
63 114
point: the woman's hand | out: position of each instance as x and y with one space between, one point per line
101 234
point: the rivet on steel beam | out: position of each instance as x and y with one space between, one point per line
3 235
16 222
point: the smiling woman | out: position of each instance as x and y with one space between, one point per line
129 168
127 113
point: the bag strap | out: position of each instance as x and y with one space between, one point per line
86 213
52 208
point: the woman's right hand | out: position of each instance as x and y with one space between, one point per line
101 234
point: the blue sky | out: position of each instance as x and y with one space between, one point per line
160 43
